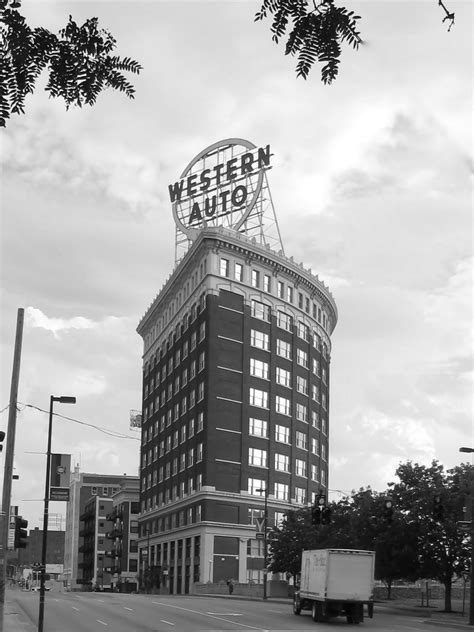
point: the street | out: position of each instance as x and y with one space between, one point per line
86 612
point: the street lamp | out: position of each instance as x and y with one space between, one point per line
471 596
265 552
61 400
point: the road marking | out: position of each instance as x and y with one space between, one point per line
125 608
74 608
103 622
204 614
168 622
226 614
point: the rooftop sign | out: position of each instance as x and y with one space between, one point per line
220 186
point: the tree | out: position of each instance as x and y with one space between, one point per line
78 60
317 31
443 549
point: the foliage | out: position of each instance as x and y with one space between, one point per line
317 31
315 34
409 544
78 60
444 550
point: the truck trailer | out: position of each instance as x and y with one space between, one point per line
336 582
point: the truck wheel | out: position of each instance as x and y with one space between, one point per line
296 605
315 611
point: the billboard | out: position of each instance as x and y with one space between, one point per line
220 186
59 477
135 420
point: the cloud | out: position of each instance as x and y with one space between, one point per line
34 317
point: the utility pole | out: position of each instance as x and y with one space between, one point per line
9 454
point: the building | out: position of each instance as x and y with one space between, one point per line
235 391
124 536
32 553
83 486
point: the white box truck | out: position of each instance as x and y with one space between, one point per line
336 582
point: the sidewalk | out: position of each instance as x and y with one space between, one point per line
14 618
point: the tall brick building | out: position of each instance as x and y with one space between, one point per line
235 405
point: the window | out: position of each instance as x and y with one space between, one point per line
133 566
255 486
281 491
324 376
182 462
314 472
289 294
193 340
258 427
255 279
177 357
280 289
192 399
258 398
257 457
184 377
301 385
259 340
282 434
202 332
183 433
238 271
282 405
284 321
175 412
314 446
200 391
259 368
282 462
316 366
284 349
303 331
300 468
190 457
192 370
267 283
301 413
301 440
323 452
199 452
315 392
185 349
314 419
191 428
224 267
324 401
200 422
323 426
184 405
302 357
316 341
300 495
260 310
283 377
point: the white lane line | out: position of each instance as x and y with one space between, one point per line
74 608
226 614
125 608
103 622
204 614
168 622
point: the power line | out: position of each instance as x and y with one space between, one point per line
106 431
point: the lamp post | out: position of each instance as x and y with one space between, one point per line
471 591
61 400
265 551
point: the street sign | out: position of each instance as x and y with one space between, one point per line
260 535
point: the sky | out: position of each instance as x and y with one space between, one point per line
372 186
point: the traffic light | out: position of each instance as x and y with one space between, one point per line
438 509
388 510
21 533
2 438
315 515
326 515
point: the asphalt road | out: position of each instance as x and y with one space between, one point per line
91 612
